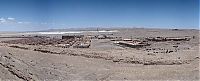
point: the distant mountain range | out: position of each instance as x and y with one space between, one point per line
81 29
99 29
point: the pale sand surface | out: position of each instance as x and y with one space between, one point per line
103 60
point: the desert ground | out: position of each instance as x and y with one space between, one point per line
172 54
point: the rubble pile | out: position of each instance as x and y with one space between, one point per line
164 50
82 44
132 60
157 39
41 41
13 46
132 43
65 42
167 44
167 62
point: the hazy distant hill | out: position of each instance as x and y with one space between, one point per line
100 28
81 29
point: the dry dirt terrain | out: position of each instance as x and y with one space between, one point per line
103 60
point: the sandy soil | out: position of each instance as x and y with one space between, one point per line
104 60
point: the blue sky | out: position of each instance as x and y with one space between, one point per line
27 15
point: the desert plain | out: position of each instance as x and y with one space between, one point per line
105 55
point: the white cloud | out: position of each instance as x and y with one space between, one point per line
2 20
7 20
23 22
10 18
20 22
